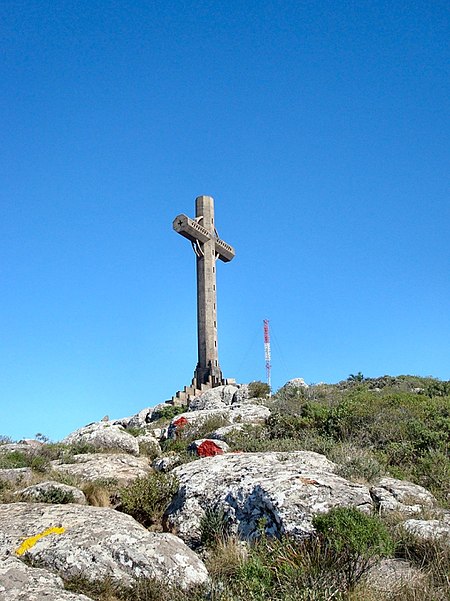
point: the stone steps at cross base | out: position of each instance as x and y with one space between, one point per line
185 396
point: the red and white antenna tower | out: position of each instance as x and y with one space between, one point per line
267 353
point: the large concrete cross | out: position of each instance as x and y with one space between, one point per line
208 247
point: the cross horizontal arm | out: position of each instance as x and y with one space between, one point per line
224 251
190 229
193 231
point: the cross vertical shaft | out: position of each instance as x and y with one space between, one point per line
208 356
208 248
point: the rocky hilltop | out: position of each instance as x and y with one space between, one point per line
319 492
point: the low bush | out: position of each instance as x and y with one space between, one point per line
214 526
147 498
258 390
55 495
354 539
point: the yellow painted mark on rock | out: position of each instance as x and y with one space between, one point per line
28 543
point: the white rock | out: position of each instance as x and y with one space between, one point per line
19 582
98 466
401 496
247 413
242 394
36 491
167 463
429 530
97 543
150 442
224 432
17 476
391 575
214 398
296 383
29 447
104 435
284 489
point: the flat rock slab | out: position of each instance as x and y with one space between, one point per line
104 435
278 491
18 475
19 582
95 542
99 466
401 496
29 447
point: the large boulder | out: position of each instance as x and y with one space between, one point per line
52 492
214 398
296 383
280 492
145 417
19 582
401 496
99 466
104 435
95 542
246 413
392 575
148 445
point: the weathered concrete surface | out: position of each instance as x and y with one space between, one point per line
401 496
98 466
208 248
104 435
97 543
35 492
18 582
283 490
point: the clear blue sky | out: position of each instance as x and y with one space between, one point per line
322 131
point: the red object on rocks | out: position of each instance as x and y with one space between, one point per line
181 422
208 448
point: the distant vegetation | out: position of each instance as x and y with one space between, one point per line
396 426
369 426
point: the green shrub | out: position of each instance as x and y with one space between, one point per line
55 495
147 498
214 526
168 412
356 464
354 538
258 390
